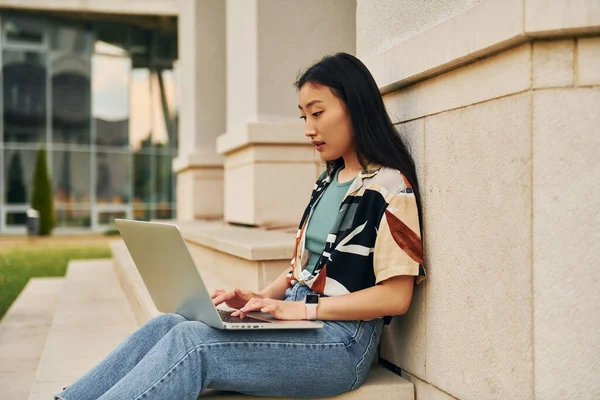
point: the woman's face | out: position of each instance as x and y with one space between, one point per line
328 123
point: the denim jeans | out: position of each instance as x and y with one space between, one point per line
173 358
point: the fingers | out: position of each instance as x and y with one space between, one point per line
253 304
217 293
245 295
271 308
223 297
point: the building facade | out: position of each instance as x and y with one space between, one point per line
98 93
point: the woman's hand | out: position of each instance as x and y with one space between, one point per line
286 310
235 299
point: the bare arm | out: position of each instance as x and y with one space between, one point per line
276 289
390 297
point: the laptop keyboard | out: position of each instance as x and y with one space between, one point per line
226 317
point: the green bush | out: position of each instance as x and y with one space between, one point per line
41 197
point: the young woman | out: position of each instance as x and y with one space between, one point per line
358 249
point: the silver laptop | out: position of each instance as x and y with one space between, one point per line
175 285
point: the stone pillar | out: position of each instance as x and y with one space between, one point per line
270 166
201 91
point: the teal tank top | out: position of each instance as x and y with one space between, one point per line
323 217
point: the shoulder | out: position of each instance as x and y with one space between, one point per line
389 182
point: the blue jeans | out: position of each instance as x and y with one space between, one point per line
173 358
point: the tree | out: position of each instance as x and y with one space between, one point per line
41 197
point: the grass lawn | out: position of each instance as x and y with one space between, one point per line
21 261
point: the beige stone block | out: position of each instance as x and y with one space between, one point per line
265 193
566 255
478 229
200 193
403 342
425 390
383 24
588 61
225 271
240 198
282 192
501 75
268 271
219 267
273 153
553 63
244 242
284 131
448 44
413 134
544 18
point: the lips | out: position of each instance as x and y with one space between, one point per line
319 146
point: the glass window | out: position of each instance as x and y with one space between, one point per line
108 217
24 96
110 99
140 123
141 213
164 179
16 218
142 178
162 95
72 217
112 178
71 99
112 39
64 36
71 178
23 29
141 41
165 46
18 175
164 211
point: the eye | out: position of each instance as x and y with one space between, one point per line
303 117
316 114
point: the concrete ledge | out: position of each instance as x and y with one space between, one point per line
198 160
499 25
267 132
23 333
450 44
254 244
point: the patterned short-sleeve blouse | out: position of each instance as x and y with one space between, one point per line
376 235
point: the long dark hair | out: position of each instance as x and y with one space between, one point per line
374 134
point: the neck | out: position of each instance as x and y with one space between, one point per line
351 164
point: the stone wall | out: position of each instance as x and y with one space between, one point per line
506 145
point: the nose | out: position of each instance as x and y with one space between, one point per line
310 132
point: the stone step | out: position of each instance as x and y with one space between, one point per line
23 333
91 319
